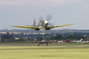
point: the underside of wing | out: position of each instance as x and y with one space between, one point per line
27 27
60 26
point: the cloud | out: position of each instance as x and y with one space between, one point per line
48 2
11 2
32 2
40 2
7 2
43 2
84 4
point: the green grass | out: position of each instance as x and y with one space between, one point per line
35 44
43 52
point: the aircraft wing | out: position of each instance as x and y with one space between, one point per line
27 27
60 26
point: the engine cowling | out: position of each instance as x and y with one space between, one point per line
47 29
37 29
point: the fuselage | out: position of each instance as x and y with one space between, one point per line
43 25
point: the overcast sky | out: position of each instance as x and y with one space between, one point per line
23 12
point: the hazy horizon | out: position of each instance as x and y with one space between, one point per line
23 12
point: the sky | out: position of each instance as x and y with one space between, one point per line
23 12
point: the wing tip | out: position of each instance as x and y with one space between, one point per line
13 26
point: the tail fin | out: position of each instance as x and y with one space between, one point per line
34 22
81 39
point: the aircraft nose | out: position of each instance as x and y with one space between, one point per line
46 21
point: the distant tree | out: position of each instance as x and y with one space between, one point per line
26 39
40 38
7 37
20 39
85 36
58 37
73 36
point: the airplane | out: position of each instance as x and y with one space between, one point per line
41 25
77 41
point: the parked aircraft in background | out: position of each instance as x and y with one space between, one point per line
77 41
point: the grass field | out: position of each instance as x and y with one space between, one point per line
35 44
43 52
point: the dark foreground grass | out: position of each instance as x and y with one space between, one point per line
43 52
35 44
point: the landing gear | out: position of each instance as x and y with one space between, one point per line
40 42
44 41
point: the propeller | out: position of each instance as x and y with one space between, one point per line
49 17
41 20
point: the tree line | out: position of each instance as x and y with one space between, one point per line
67 36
